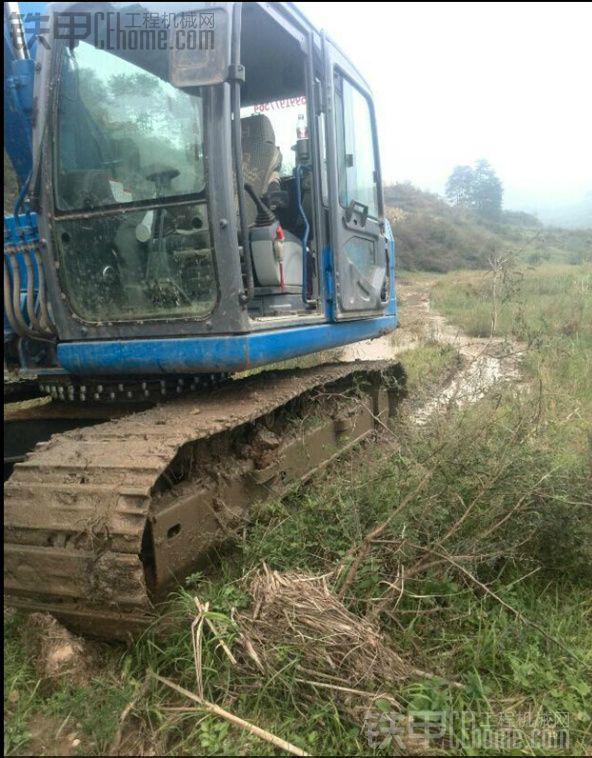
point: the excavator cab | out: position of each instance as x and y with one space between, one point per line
200 195
207 186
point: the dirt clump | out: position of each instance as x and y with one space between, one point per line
59 656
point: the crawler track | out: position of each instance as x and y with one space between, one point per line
101 521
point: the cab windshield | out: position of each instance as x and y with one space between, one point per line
132 222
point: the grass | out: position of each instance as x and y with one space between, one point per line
546 302
502 621
428 365
548 308
89 710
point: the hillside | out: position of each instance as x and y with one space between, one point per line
571 210
433 236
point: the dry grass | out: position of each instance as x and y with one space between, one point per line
295 618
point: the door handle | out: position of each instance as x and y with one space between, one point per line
349 212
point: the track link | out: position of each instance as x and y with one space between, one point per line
101 521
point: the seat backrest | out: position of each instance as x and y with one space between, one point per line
261 157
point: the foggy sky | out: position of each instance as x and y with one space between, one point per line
454 82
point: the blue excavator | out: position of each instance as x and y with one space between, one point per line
199 197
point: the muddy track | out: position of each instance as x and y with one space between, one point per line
98 521
484 361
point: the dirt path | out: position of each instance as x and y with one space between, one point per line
486 361
414 315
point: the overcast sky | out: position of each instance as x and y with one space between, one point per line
454 82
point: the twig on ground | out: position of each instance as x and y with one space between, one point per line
215 710
522 578
196 632
351 691
363 549
513 510
509 607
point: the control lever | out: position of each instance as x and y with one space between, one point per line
265 216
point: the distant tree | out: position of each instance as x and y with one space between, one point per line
90 82
122 85
477 188
459 187
487 191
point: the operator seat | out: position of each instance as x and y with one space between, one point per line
262 158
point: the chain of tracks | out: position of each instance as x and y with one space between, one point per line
92 517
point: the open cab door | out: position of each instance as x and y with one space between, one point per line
358 243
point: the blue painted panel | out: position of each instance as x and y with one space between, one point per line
388 233
19 75
213 354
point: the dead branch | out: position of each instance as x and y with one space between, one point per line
363 549
215 710
509 607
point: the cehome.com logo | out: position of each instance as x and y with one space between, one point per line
114 30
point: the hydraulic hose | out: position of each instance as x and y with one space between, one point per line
46 322
30 298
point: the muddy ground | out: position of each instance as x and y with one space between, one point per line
484 361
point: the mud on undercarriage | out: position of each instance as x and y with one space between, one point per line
101 521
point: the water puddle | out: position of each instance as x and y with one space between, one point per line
486 361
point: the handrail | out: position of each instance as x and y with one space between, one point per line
305 298
237 152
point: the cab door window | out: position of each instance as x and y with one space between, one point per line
356 159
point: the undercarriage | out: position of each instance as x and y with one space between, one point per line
104 519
